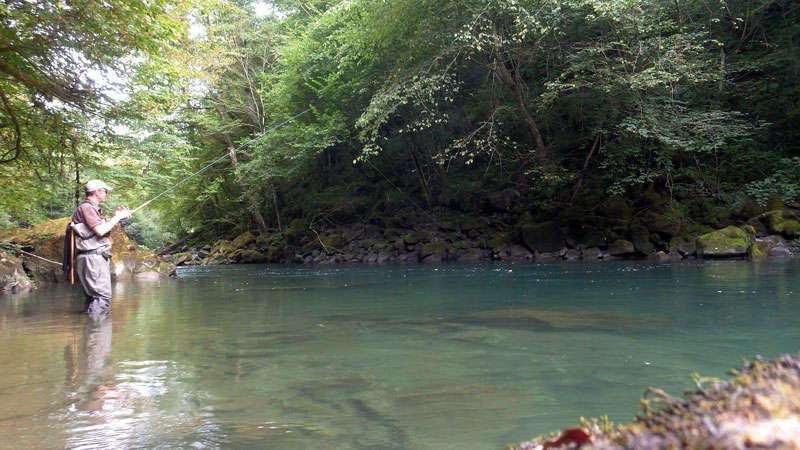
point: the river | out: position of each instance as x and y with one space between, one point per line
416 357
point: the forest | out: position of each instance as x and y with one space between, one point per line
608 118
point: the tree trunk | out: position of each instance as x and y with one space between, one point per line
251 201
541 150
585 167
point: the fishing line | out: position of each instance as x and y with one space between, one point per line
221 158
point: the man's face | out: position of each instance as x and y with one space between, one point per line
101 195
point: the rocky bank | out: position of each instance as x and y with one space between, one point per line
614 233
758 408
47 240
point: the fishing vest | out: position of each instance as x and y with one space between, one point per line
86 239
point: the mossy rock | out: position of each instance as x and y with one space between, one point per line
223 248
784 223
244 240
499 240
759 250
750 208
615 208
542 237
685 245
640 236
464 244
247 256
621 247
469 223
592 237
432 248
412 238
668 223
333 241
392 233
730 241
12 274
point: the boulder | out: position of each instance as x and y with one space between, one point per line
473 255
667 223
640 236
47 240
683 244
244 240
621 247
591 253
783 222
12 274
728 242
433 252
592 237
543 237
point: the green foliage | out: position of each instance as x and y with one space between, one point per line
784 183
439 101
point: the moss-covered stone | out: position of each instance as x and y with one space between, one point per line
244 240
247 256
730 241
759 250
668 222
757 408
392 233
433 247
499 240
333 241
783 222
592 237
621 247
464 244
640 237
47 240
12 274
685 245
412 238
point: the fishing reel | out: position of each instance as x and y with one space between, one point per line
124 222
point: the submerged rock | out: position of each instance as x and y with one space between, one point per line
554 320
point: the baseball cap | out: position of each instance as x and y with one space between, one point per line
93 185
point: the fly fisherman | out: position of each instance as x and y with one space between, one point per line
93 246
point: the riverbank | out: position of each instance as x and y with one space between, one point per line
46 240
461 238
758 408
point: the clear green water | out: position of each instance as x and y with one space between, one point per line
419 357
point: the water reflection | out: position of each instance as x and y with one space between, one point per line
417 357
89 367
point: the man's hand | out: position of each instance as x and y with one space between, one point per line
122 213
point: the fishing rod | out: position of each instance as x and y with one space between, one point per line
230 153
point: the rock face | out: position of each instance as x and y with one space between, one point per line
47 240
12 275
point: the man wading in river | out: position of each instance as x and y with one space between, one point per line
93 246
